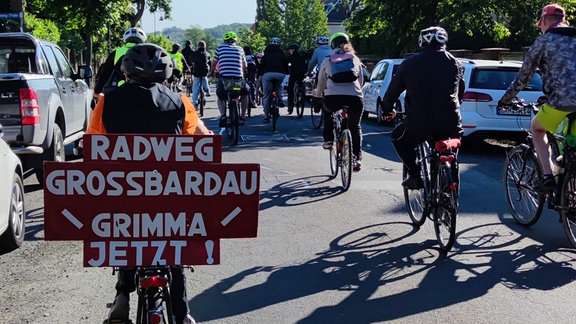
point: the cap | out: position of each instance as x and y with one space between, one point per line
552 10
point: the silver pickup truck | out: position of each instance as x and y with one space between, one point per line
44 103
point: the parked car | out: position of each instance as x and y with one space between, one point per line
12 208
486 82
375 88
44 103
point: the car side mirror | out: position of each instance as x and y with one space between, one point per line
86 73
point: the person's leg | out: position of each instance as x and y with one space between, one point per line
222 95
330 104
405 143
206 86
354 124
267 89
124 286
195 89
279 77
291 83
178 294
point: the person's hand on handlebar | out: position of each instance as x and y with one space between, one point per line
389 115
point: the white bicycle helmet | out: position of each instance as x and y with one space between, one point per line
432 34
322 40
134 35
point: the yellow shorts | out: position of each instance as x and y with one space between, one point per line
551 118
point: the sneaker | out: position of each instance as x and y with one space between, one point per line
242 120
266 119
327 145
413 182
222 122
120 309
290 110
208 94
281 104
356 165
188 320
548 184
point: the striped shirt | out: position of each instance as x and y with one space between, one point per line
231 59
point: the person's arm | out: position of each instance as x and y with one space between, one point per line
322 78
395 88
104 73
192 124
529 66
184 64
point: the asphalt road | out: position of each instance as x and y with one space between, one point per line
327 256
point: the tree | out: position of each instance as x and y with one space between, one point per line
249 38
293 21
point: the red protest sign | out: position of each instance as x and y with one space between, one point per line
147 253
106 201
152 148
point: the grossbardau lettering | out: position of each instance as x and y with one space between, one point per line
151 183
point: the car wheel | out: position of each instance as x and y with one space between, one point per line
56 152
378 113
13 237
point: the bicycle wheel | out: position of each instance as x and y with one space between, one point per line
334 159
346 158
201 102
568 205
274 111
446 208
317 116
415 202
299 101
521 172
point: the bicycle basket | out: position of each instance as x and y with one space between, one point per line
234 84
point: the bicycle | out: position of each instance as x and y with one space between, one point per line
187 83
274 110
299 98
522 171
341 156
234 88
439 196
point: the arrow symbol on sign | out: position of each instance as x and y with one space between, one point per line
231 216
72 218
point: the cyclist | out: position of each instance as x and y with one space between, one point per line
200 69
232 63
434 84
251 75
109 75
319 53
297 70
144 105
553 54
180 66
187 53
337 94
273 65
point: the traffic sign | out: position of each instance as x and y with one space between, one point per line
116 201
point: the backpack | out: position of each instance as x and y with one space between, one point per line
343 70
200 64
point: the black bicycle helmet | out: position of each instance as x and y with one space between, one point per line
148 63
293 46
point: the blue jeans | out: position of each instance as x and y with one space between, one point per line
196 87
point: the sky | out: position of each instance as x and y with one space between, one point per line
203 13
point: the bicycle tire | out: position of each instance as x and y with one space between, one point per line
415 202
346 158
317 117
201 101
300 101
334 159
568 205
274 111
521 172
234 121
446 210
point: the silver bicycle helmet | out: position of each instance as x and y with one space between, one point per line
322 40
147 63
275 41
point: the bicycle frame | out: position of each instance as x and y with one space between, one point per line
154 303
341 152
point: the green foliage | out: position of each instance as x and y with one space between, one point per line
42 28
252 39
161 41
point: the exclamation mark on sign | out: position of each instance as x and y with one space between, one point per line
209 250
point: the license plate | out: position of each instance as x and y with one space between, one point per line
525 111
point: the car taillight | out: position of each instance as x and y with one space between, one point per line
476 96
29 107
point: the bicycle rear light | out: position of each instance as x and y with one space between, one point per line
154 281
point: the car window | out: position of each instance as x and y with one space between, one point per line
63 62
17 59
382 72
375 72
500 79
53 63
